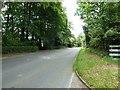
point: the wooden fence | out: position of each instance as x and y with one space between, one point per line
114 51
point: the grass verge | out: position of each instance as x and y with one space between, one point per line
98 72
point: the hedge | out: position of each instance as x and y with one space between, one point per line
98 52
17 49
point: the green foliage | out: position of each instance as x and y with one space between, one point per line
100 53
111 32
80 40
43 24
102 23
18 49
95 42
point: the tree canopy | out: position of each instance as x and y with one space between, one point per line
102 23
43 24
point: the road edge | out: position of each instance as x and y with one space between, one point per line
83 81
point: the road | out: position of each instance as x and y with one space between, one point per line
45 69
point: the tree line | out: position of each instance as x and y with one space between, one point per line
102 26
42 24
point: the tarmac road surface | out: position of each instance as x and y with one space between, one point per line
45 69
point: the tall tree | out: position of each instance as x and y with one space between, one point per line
102 22
43 22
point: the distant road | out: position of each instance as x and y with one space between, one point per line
46 69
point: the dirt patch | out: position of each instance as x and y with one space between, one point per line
103 75
97 68
110 66
94 55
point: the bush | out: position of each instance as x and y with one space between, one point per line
14 49
100 53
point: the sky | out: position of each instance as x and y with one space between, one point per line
71 6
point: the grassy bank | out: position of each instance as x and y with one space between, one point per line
97 71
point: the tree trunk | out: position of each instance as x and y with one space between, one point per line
40 44
26 34
22 34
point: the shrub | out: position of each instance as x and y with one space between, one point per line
100 53
14 49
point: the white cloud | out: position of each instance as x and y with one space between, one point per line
71 10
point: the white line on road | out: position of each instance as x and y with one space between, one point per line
70 83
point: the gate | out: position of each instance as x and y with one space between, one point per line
114 51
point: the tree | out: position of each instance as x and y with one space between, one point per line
35 23
102 22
